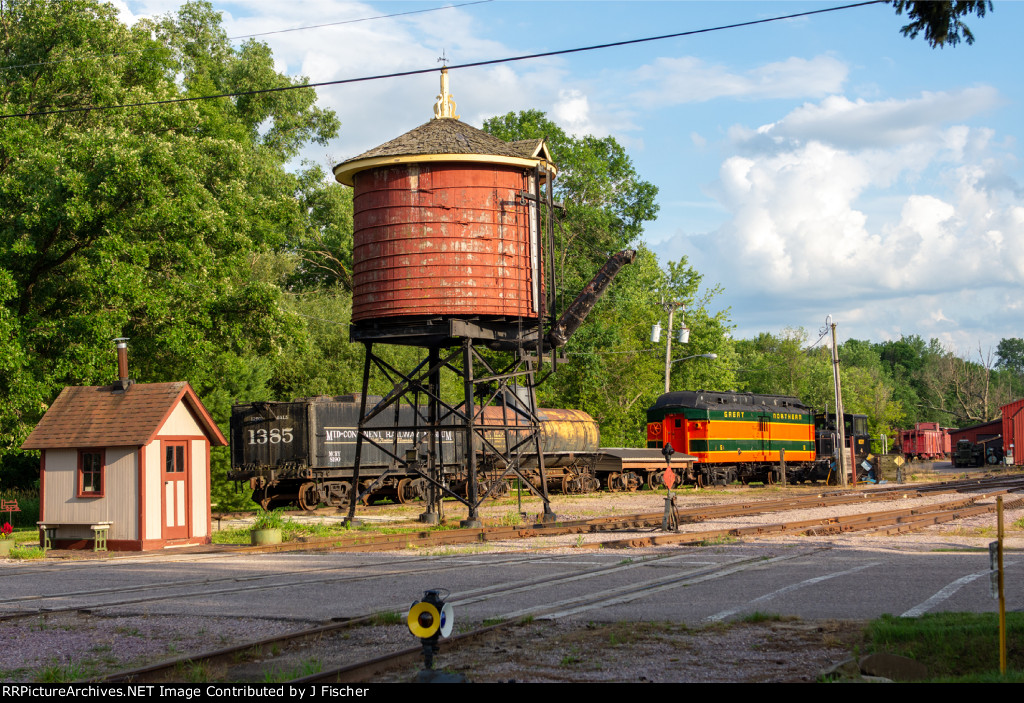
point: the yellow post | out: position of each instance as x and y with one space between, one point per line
1002 599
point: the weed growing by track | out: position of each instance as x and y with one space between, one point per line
956 647
306 668
757 616
387 618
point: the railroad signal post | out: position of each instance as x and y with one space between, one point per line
431 619
670 521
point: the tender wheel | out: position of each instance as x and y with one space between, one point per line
309 496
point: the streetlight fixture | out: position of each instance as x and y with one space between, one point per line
697 356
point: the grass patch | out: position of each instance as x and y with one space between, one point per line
192 672
757 616
956 647
511 519
27 553
387 618
306 668
571 658
61 673
292 531
246 655
724 539
238 535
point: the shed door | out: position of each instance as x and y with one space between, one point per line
174 477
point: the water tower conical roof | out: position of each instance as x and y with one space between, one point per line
446 140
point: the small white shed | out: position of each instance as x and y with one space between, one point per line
131 459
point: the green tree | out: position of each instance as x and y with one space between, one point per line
775 365
940 20
1010 355
153 223
614 372
606 203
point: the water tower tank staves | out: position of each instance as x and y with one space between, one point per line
441 229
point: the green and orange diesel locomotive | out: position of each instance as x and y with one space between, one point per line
739 436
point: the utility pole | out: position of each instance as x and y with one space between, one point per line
840 424
670 308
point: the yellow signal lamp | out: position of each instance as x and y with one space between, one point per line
423 620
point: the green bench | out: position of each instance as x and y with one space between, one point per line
100 530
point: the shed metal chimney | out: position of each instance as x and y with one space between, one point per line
122 364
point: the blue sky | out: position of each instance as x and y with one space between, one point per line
822 165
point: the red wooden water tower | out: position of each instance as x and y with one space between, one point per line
452 227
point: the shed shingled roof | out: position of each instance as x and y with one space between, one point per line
105 416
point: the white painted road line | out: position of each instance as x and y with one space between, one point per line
634 591
948 591
491 591
792 587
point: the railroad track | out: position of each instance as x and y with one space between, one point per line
883 521
351 672
196 588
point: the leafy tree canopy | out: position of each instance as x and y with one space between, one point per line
606 202
940 20
150 223
614 371
1010 353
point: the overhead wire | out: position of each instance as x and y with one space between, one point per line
360 19
421 71
96 57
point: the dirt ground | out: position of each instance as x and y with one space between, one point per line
770 651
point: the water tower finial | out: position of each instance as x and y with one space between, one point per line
444 108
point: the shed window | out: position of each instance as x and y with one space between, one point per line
90 473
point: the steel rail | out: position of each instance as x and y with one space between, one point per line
879 521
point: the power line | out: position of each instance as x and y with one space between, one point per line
361 19
96 57
475 64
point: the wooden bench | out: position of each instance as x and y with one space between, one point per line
99 532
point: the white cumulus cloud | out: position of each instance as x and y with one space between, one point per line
883 211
